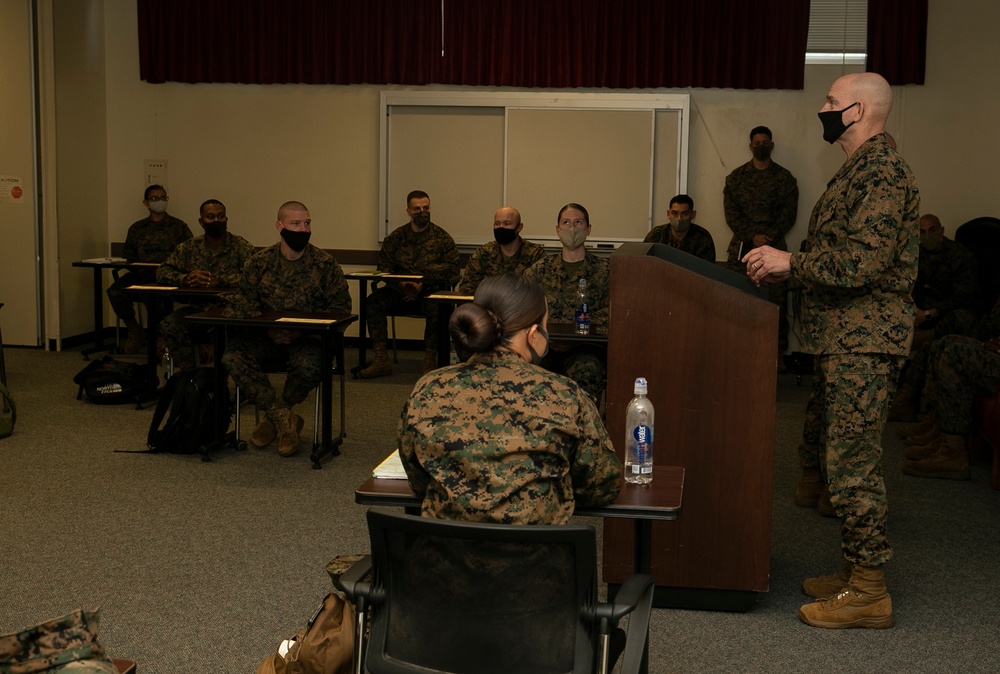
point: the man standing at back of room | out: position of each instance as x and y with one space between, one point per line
681 232
508 253
857 274
151 239
761 199
419 248
291 275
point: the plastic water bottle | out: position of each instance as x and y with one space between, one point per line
582 317
639 436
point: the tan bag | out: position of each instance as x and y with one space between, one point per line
325 646
67 643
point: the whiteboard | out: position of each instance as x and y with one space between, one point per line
622 156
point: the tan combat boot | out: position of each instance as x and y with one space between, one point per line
925 450
380 366
822 587
430 360
824 506
264 434
135 337
288 425
928 424
864 602
807 491
950 462
930 436
904 404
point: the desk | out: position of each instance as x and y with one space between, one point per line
659 500
148 294
331 326
363 277
98 265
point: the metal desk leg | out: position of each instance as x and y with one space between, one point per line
98 313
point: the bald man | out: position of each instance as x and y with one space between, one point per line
857 270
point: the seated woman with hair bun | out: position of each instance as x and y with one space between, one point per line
498 438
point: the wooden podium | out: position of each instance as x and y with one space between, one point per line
705 338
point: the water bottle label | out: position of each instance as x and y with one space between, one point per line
643 435
583 312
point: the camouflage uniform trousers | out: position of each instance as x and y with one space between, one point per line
842 435
388 300
586 365
65 644
123 305
180 334
959 371
248 359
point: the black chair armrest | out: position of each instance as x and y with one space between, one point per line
636 598
356 580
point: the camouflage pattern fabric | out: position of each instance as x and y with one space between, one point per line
226 263
862 259
761 201
585 364
697 241
854 393
857 317
65 644
946 278
497 439
489 260
430 253
314 282
811 449
146 241
959 371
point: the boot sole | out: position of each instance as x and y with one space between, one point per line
881 623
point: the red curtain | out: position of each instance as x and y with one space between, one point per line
897 40
621 44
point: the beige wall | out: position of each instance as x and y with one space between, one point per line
256 146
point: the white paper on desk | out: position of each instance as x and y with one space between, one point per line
104 260
391 468
142 287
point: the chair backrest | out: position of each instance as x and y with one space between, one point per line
982 237
480 598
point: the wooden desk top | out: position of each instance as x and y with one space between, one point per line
366 275
659 500
112 263
308 320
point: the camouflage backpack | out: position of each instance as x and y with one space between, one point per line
65 644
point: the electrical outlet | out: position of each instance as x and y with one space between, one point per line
156 172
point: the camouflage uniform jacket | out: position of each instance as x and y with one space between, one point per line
761 201
489 260
697 241
862 260
65 644
431 253
946 278
497 439
148 241
314 282
225 262
560 289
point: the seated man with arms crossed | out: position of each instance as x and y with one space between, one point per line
291 275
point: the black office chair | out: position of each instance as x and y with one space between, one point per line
461 597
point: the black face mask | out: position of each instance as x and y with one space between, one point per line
421 219
762 152
297 241
503 235
833 123
536 358
215 229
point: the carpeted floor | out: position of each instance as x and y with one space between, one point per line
205 567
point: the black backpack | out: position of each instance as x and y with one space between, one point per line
114 382
193 423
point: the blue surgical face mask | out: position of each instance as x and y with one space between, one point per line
536 358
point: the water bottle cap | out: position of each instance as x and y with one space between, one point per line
640 386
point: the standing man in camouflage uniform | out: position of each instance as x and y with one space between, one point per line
421 248
213 260
681 232
151 239
559 276
524 446
857 317
291 275
761 199
509 253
